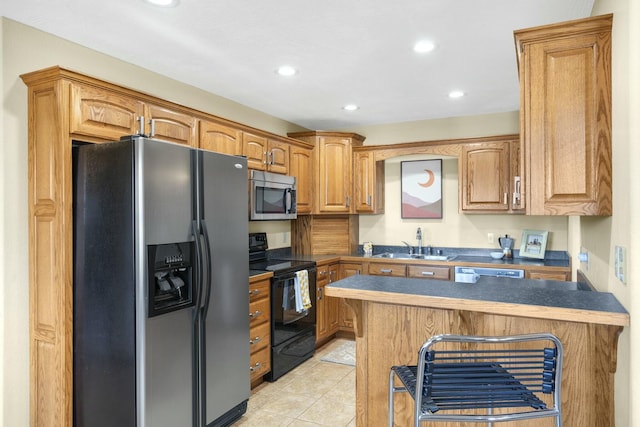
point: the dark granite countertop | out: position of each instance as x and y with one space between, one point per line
527 298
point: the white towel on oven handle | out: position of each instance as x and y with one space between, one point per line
301 287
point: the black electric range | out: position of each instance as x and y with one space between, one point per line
293 329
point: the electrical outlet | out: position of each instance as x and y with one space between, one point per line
583 257
620 256
490 238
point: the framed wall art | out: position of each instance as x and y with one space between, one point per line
534 243
421 185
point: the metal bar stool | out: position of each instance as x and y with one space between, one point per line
492 373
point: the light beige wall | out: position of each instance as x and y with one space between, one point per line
25 49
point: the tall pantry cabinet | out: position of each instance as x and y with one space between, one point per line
565 116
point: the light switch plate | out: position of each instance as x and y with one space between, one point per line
621 263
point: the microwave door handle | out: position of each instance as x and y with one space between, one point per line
287 201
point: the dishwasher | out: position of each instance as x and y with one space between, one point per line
472 274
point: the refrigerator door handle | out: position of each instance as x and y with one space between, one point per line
208 285
198 278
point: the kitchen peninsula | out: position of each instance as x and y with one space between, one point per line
394 316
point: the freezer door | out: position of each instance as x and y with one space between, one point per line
165 341
226 320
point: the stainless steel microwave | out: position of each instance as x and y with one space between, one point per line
272 196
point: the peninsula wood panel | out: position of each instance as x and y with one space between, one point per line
392 335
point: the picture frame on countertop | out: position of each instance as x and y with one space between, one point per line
421 189
534 243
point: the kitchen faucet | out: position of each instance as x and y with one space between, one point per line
409 246
419 237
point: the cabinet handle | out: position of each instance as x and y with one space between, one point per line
141 125
506 198
386 270
254 292
256 340
320 293
516 190
152 128
255 367
332 277
428 273
369 200
255 314
348 201
270 158
266 158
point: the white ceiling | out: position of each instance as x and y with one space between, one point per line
347 51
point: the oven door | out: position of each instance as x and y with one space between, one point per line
286 321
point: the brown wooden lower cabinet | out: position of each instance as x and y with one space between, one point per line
327 308
547 275
259 328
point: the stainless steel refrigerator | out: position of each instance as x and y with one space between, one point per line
161 309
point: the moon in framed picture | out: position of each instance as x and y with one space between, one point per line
430 180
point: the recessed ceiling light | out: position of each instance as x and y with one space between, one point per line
424 46
163 3
456 94
287 71
350 107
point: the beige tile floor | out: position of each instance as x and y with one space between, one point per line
316 393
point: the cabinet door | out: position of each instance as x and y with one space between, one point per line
332 303
301 166
173 126
322 279
334 172
368 188
278 157
484 183
565 87
103 114
345 320
255 150
220 138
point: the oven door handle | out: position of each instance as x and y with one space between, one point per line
304 313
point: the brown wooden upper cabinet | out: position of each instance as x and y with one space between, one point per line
301 166
368 185
333 169
489 176
266 154
565 116
220 138
97 112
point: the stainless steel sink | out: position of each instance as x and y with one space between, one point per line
398 255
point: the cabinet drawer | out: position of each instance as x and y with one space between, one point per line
379 269
260 363
259 290
259 337
429 272
258 312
